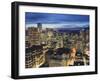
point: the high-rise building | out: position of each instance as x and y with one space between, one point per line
39 26
34 56
33 36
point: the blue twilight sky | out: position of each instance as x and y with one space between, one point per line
56 20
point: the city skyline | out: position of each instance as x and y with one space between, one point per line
55 40
50 48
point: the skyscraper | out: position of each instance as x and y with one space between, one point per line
39 26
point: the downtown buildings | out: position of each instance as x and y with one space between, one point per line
51 47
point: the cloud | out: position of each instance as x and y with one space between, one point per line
50 18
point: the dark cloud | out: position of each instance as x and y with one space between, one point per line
50 18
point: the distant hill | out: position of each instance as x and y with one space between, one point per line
74 30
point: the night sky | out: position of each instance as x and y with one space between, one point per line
50 18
